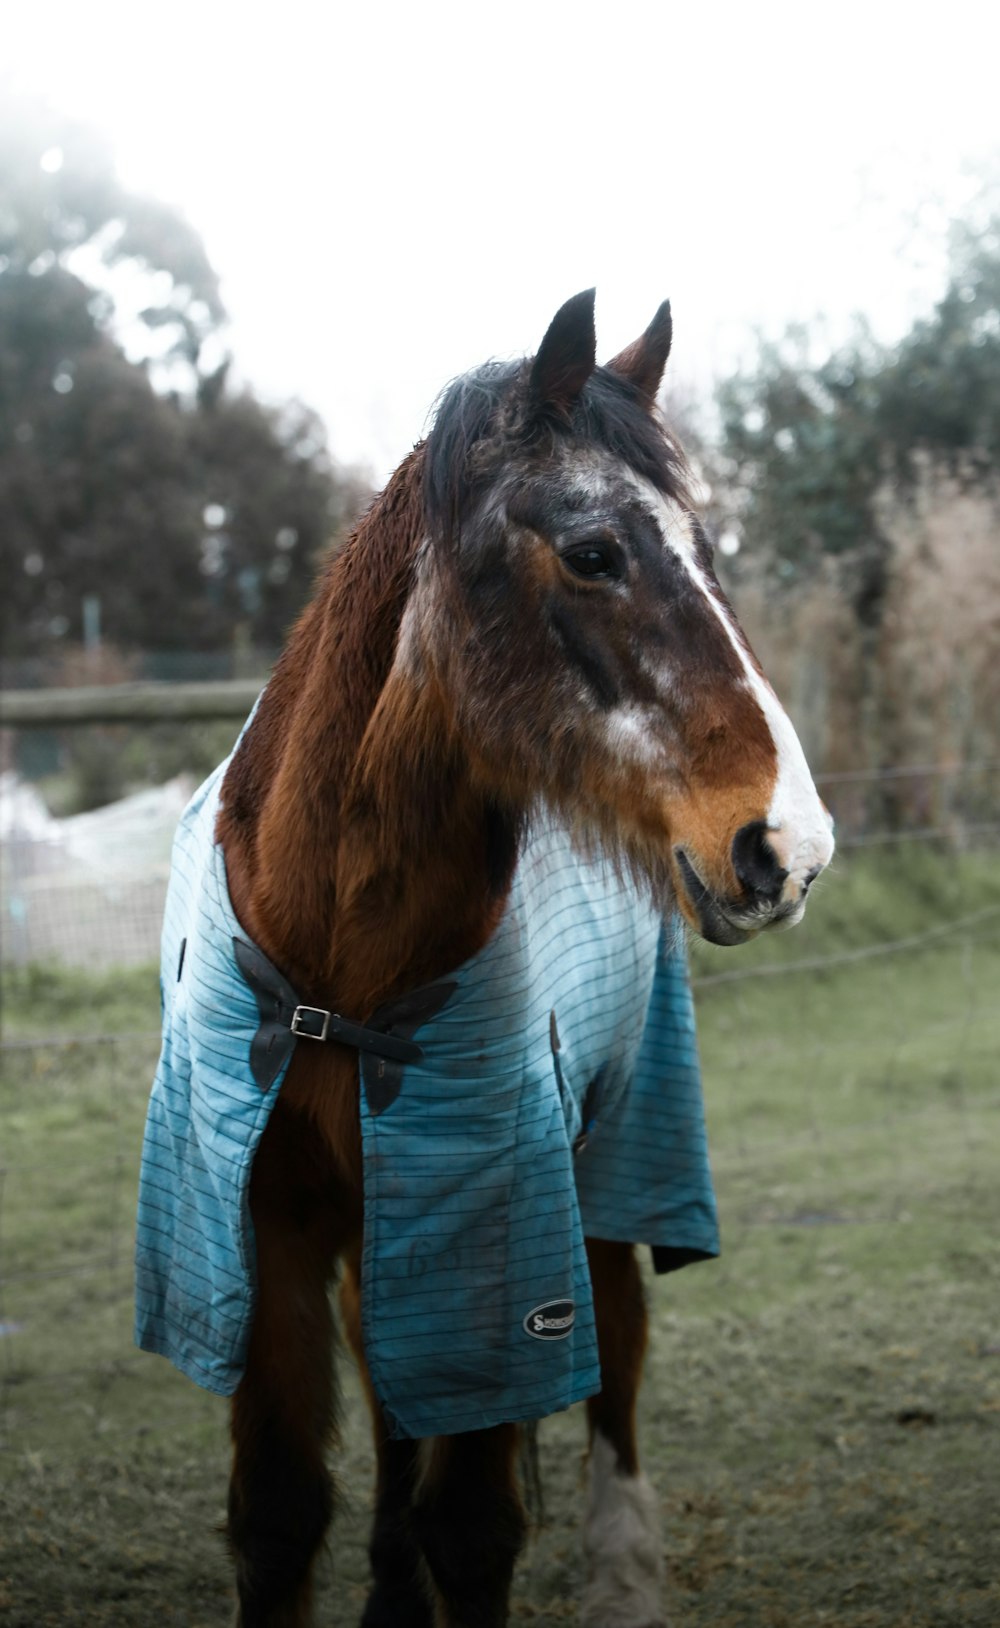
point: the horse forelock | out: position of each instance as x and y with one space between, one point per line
486 429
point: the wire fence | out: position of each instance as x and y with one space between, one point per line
800 1099
99 904
66 1202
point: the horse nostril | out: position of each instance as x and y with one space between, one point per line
756 863
809 878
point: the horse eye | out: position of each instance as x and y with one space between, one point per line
595 560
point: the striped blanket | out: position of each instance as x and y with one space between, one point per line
554 1093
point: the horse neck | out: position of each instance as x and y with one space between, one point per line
362 857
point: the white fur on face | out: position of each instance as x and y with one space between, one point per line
631 737
622 1546
590 478
799 828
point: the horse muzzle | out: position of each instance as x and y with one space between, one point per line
768 894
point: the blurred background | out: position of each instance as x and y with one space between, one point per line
240 255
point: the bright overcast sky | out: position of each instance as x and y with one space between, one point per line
392 193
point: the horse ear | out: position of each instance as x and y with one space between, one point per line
642 363
566 357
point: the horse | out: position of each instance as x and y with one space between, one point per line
525 627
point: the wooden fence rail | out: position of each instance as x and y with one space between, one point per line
128 704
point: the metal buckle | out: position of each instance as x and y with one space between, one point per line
310 1034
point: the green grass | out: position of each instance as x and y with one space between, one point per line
39 1002
822 1407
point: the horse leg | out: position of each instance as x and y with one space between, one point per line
280 1491
470 1523
622 1539
399 1596
449 1508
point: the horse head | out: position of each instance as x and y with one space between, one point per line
566 608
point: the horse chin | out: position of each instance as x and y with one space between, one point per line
717 925
701 908
716 928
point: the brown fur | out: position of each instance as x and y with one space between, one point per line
620 1308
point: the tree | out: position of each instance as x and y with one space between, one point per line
93 464
865 490
939 394
273 500
802 458
808 450
189 509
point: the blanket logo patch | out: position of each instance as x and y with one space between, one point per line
551 1321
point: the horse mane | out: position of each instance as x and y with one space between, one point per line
324 687
480 414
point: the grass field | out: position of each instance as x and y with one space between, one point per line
822 1408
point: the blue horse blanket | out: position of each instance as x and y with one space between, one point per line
554 1093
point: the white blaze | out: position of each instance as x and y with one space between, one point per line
799 826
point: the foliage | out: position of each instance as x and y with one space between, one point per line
798 445
808 448
939 394
130 469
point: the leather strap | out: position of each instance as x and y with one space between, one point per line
283 1018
